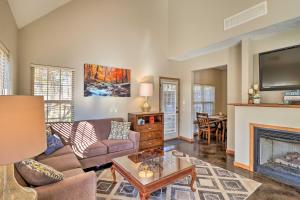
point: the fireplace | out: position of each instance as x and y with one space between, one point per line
277 155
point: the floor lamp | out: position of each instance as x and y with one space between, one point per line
22 136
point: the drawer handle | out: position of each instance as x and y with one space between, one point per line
149 128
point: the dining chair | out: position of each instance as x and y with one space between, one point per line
205 126
224 130
221 130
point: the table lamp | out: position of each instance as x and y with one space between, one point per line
146 90
22 136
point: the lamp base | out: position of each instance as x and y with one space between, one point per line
146 106
10 189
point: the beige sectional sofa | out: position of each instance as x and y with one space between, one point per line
86 145
89 141
76 184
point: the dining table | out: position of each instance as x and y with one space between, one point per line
219 121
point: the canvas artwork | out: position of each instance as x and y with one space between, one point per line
106 81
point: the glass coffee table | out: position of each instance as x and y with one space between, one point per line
153 169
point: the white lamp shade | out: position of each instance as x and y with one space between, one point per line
22 128
146 89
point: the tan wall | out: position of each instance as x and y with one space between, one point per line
194 24
230 57
224 90
130 34
9 38
214 77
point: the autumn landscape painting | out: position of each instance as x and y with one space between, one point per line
106 81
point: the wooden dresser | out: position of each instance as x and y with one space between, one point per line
150 125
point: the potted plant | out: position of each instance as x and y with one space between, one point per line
256 98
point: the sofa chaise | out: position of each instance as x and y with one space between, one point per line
86 145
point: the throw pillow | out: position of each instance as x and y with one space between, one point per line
38 174
119 130
53 143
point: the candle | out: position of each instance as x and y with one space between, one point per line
145 174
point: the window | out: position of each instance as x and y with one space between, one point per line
203 100
56 84
4 75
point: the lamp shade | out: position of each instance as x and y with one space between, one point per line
22 128
146 89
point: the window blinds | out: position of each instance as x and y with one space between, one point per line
203 100
56 84
4 66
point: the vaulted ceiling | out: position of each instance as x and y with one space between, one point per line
28 11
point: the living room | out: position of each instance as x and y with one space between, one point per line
99 61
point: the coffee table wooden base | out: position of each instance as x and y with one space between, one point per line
146 190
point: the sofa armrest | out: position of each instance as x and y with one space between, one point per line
135 138
79 187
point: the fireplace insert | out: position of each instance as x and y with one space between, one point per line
277 155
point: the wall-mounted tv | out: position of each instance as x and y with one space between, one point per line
280 69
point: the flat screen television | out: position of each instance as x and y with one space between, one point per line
280 69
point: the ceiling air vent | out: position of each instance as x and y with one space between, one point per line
246 15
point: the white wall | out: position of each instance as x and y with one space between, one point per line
284 117
195 24
281 40
230 57
9 38
131 34
185 69
234 90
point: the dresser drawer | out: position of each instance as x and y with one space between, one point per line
149 127
150 135
151 144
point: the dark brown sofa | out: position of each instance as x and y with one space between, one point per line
89 141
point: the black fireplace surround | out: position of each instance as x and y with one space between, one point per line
277 155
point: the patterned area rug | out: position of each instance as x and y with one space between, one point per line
212 183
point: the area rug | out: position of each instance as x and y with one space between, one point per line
212 183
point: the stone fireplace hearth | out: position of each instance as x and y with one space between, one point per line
276 154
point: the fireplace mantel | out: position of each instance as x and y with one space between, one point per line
270 105
269 117
264 126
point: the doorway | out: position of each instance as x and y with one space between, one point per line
169 105
209 96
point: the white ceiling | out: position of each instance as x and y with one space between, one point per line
27 11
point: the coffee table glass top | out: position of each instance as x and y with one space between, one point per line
150 166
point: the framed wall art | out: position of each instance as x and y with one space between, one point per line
106 81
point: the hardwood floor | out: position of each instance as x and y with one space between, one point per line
216 154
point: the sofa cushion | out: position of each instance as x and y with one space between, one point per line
62 151
119 130
100 126
118 145
38 174
72 172
62 163
96 149
53 143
